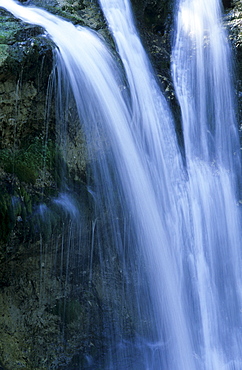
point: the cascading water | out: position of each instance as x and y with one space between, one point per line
202 76
175 231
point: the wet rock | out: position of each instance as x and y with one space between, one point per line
233 22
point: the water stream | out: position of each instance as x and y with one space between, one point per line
202 76
175 229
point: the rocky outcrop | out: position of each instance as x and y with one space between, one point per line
154 21
44 320
234 24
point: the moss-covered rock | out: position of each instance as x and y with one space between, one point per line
3 54
8 29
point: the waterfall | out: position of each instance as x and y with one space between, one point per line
202 76
167 235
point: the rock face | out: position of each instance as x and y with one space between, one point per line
234 22
44 317
50 316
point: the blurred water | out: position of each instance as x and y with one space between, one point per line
203 76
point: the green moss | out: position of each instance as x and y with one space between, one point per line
69 310
22 171
8 30
25 163
3 53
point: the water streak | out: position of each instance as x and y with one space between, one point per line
202 77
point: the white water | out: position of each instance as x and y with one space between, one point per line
202 76
182 226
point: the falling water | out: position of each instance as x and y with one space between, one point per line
171 234
202 76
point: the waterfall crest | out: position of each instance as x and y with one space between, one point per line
175 229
